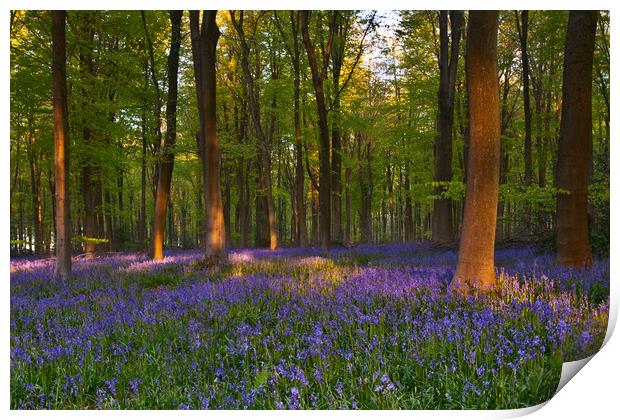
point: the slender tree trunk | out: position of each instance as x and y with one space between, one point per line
265 148
475 266
575 142
315 217
525 66
158 101
164 180
87 72
300 200
347 206
35 182
61 148
503 230
409 229
318 76
339 44
448 62
365 181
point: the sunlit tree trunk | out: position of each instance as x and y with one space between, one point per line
204 42
575 142
61 148
475 266
164 180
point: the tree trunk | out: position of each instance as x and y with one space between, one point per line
61 148
525 66
318 76
409 229
475 266
347 206
442 208
575 142
35 182
300 199
89 172
164 180
365 181
204 43
339 44
265 147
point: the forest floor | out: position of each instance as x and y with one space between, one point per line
364 327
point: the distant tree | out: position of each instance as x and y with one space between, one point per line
263 139
575 142
293 49
204 42
164 179
475 266
448 61
61 148
318 77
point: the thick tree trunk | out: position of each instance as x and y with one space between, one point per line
475 266
448 62
575 142
164 180
61 148
204 43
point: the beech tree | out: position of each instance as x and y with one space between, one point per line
575 142
205 35
164 179
62 241
318 77
442 228
475 267
254 107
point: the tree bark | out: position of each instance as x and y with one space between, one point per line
475 266
575 142
442 228
525 69
336 158
318 76
204 43
301 237
61 148
164 180
89 171
265 147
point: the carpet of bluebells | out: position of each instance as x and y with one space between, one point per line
364 327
